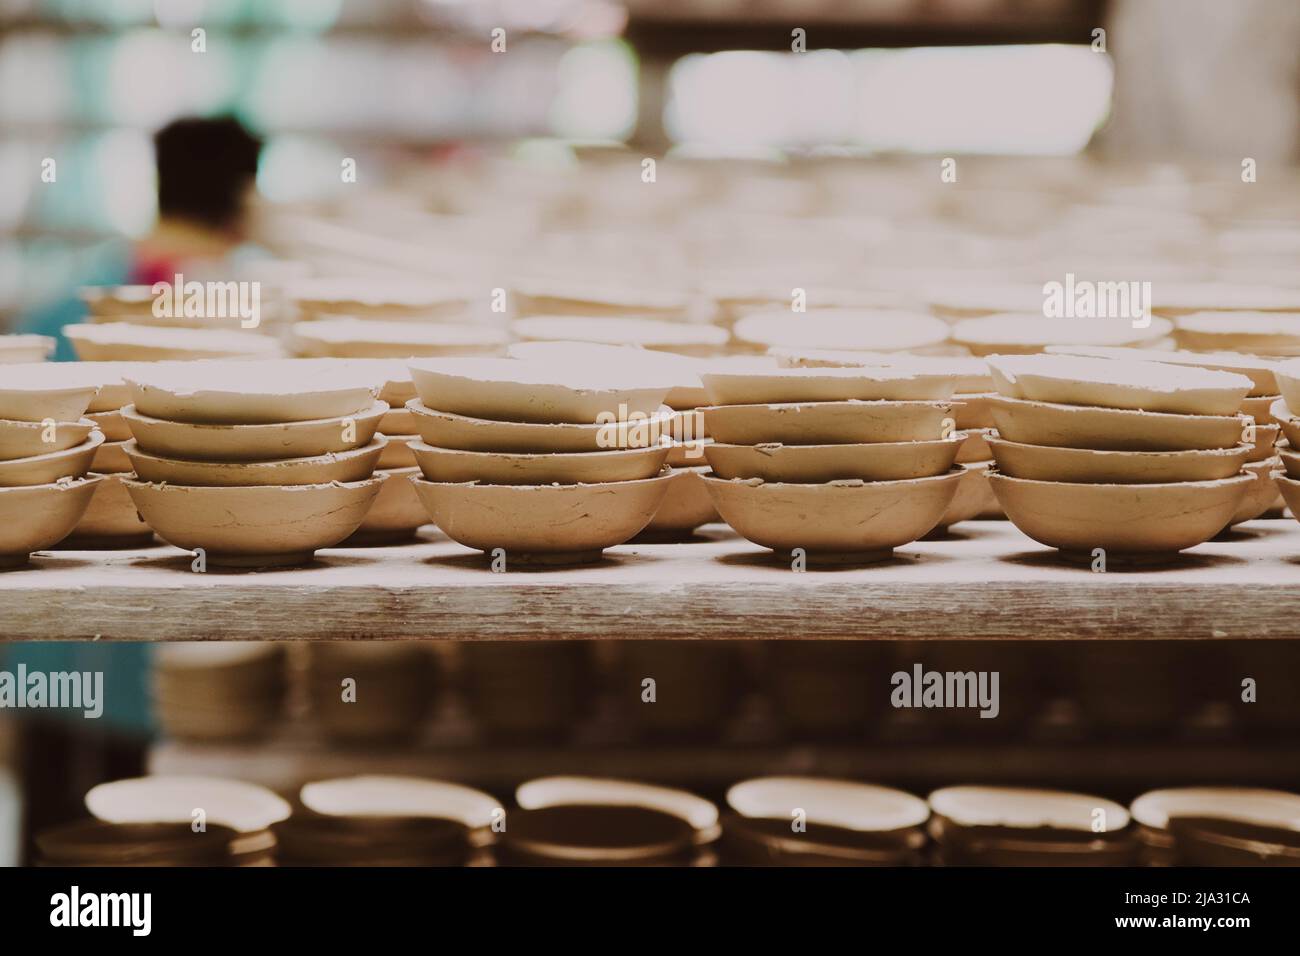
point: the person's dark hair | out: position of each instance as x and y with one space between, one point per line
204 168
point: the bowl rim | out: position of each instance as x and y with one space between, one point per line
1241 448
129 413
1156 486
92 441
420 446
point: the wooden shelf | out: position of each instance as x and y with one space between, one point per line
988 581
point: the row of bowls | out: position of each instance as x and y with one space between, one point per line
587 821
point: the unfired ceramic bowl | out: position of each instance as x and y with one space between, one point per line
375 298
445 430
1288 381
848 521
882 330
972 373
974 498
1256 333
36 517
110 458
253 442
29 393
255 527
543 524
370 338
789 385
685 507
1290 489
1278 411
397 452
509 468
1049 463
1262 491
126 342
1265 437
239 393
513 390
112 424
344 466
244 807
1124 520
1258 370
23 349
1110 383
830 423
683 338
25 439
975 447
817 464
1290 460
110 520
1258 408
48 468
396 515
1113 429
1022 334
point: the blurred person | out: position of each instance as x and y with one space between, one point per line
205 169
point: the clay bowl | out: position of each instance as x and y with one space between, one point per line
829 423
372 338
836 522
974 498
396 515
1111 383
506 468
1262 491
687 505
682 338
255 527
543 524
1125 520
36 517
399 420
23 349
28 439
513 390
883 330
1155 810
46 469
1264 439
975 410
1290 489
397 452
1278 411
816 464
1288 382
237 393
1255 333
247 443
1258 370
244 807
1258 408
374 297
110 458
561 791
29 393
110 520
972 373
1049 463
1290 460
788 385
445 430
975 447
345 466
1028 333
112 424
1113 429
126 342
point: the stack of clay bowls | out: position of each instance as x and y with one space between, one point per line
527 691
369 692
95 843
46 449
539 463
814 821
972 417
21 349
1139 459
197 803
1262 461
1281 411
1011 826
1218 826
687 505
128 342
385 821
259 464
218 690
111 520
879 330
844 463
1029 333
682 338
584 821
